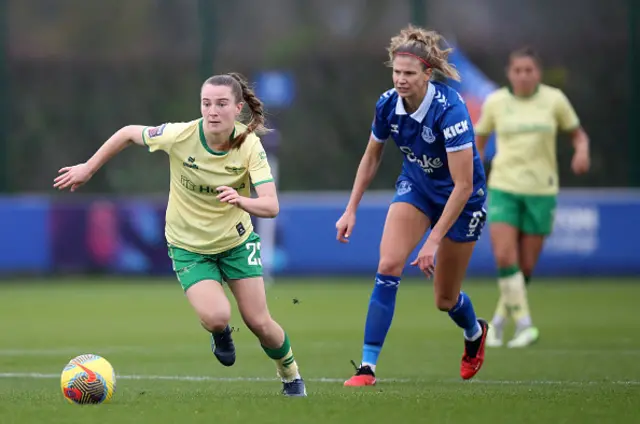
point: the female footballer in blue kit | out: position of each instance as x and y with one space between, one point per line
442 186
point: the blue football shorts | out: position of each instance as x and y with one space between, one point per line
468 227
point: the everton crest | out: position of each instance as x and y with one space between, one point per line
427 135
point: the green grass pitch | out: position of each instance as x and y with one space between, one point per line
585 368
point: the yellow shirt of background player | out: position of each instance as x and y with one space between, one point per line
526 130
196 220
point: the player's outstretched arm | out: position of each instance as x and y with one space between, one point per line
367 170
77 175
115 144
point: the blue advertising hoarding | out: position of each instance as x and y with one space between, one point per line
594 234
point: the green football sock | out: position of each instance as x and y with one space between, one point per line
285 362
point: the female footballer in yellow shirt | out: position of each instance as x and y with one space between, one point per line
523 183
213 161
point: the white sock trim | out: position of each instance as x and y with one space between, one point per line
498 322
289 380
524 322
476 335
367 364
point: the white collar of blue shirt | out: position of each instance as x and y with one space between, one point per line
419 114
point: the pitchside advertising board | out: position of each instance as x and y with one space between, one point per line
595 234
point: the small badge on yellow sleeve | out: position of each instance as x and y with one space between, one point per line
156 131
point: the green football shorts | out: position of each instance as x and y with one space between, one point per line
242 261
531 214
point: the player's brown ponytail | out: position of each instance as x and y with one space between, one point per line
243 93
257 122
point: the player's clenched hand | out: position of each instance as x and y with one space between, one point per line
73 176
580 163
229 195
426 259
345 226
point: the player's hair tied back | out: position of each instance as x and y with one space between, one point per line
425 45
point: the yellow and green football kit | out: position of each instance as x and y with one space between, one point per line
523 183
209 239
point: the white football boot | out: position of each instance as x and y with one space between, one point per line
525 337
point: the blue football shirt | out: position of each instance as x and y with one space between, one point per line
440 125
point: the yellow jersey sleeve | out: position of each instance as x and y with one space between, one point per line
565 114
487 122
164 136
259 169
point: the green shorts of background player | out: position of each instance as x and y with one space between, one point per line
518 225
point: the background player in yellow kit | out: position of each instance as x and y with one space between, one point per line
213 161
523 183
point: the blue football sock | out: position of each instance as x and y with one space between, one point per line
381 307
465 317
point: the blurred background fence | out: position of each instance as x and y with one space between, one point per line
74 71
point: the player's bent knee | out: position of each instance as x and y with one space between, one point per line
259 325
213 321
390 266
445 303
505 257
